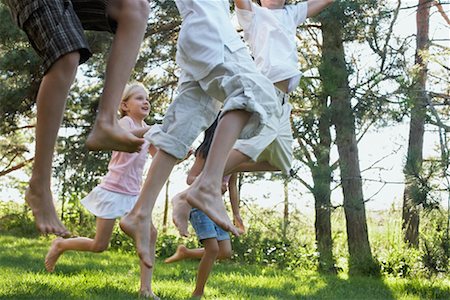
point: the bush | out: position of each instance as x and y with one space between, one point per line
16 219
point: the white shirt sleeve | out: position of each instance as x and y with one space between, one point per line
245 18
298 12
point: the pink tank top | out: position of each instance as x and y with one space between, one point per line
125 169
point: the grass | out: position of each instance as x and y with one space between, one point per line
115 275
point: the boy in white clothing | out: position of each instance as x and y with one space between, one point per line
270 30
215 65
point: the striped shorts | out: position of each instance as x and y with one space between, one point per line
57 27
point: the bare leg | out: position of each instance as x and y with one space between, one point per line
98 244
185 253
205 192
205 266
51 101
136 224
180 213
107 133
146 272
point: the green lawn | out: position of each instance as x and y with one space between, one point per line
113 275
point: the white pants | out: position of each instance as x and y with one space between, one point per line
235 84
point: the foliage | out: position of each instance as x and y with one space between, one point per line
113 275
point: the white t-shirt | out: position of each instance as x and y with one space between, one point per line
205 30
271 35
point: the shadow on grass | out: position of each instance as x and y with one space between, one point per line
426 291
36 290
352 288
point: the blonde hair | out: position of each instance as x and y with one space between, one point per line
129 91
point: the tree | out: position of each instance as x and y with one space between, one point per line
335 73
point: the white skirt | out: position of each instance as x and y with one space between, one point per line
107 204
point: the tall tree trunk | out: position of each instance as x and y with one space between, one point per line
286 207
166 207
335 82
321 174
412 198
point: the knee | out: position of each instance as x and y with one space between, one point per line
136 9
212 251
65 68
98 248
224 254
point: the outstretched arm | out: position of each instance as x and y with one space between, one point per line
196 169
234 200
243 4
316 6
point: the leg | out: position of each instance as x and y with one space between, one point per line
100 243
137 223
185 253
225 250
205 266
205 192
131 24
180 213
146 272
51 101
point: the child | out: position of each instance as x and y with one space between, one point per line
216 241
271 32
229 182
119 189
55 30
215 65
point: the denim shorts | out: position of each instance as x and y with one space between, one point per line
205 228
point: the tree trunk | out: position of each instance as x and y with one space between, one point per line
166 207
412 198
335 82
322 193
286 207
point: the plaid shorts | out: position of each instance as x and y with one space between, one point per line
56 27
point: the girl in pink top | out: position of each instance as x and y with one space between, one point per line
116 195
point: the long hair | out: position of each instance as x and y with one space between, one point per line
204 147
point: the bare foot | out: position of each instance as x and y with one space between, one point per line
107 137
180 213
180 254
41 203
52 255
139 230
237 221
207 197
148 293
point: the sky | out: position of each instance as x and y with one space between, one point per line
389 142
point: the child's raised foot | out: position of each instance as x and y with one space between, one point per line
52 255
112 137
180 254
209 200
46 220
139 230
180 214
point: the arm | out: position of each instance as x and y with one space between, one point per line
316 6
243 4
196 169
234 200
234 195
152 150
139 132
